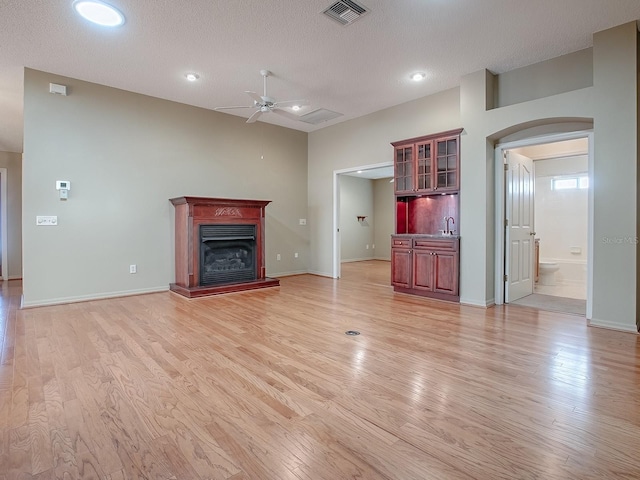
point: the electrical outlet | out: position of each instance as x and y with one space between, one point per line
133 269
367 246
278 257
44 220
373 247
295 255
303 221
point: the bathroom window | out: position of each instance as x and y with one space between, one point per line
583 182
569 183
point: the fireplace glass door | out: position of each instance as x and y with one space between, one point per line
227 254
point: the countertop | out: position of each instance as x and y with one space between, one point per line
428 235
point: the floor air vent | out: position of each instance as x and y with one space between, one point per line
345 12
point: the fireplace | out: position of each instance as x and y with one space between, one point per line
219 246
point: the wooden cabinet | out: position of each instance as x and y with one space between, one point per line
427 165
426 265
425 252
401 262
436 265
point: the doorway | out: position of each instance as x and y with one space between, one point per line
544 223
371 172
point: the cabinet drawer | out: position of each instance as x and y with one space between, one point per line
436 244
401 242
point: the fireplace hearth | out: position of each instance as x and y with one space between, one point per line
219 246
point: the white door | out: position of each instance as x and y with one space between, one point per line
519 234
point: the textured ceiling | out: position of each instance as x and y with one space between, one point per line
354 70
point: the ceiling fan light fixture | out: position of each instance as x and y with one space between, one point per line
192 77
418 76
266 104
99 13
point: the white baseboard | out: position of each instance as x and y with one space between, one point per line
320 274
349 260
475 303
14 277
88 298
286 274
595 322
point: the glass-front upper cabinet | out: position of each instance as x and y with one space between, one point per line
425 169
404 168
428 165
447 163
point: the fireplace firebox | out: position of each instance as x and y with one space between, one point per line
219 246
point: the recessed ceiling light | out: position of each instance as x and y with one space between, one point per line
359 171
192 77
295 108
418 76
98 12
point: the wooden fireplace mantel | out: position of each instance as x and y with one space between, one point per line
190 214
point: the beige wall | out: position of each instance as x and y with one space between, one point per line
13 163
615 174
383 205
356 199
551 77
375 199
125 155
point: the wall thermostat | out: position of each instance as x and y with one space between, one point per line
63 185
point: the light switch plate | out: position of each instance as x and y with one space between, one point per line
46 220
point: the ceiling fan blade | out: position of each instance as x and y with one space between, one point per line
254 117
290 103
284 113
255 96
237 106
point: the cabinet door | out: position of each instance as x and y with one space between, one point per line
424 166
401 267
445 272
447 163
423 270
404 169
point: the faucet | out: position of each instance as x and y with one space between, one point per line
446 219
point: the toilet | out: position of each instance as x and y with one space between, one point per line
548 273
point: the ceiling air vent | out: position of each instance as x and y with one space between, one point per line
345 12
319 116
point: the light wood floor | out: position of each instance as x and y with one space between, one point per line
265 385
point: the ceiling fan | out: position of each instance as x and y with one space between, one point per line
265 103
